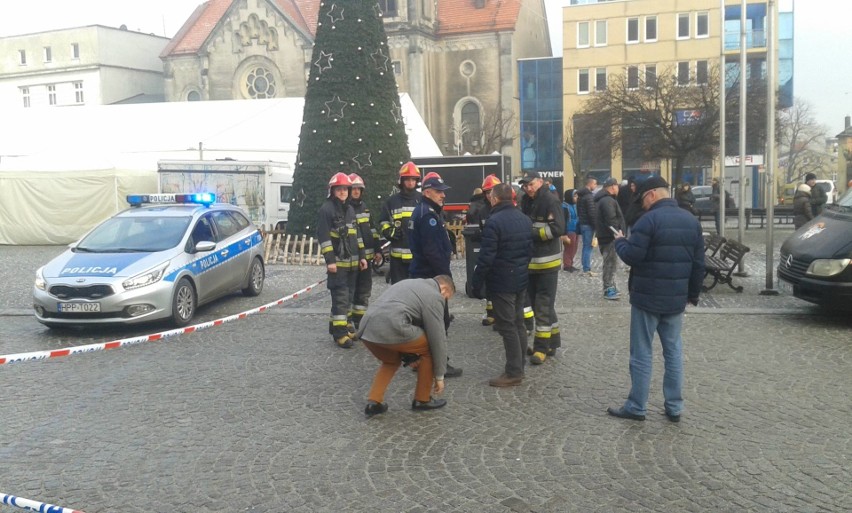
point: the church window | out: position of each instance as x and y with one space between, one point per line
260 83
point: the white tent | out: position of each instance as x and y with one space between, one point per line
62 170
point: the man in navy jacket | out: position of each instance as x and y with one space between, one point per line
665 252
502 267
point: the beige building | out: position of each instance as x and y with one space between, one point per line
90 65
638 39
455 58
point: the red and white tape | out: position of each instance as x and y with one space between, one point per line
31 505
90 348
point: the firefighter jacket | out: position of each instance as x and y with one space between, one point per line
393 222
429 241
545 212
338 236
368 234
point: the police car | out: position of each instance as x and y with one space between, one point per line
161 258
816 261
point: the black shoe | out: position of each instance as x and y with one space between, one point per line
621 413
432 404
452 372
673 418
551 352
374 408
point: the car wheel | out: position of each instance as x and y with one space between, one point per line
255 281
184 302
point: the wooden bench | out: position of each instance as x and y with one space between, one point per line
783 215
721 267
713 243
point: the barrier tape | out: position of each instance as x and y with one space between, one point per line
31 505
90 348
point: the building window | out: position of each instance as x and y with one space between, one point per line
683 25
193 96
650 29
389 8
22 57
633 77
260 83
702 24
48 54
650 75
583 34
25 95
78 92
470 121
600 79
75 51
583 81
701 72
397 67
632 30
683 73
600 33
51 94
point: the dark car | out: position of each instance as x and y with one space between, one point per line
702 203
815 260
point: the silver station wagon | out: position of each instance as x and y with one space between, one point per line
161 258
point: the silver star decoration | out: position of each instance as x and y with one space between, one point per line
380 59
300 197
324 61
335 17
397 113
334 107
378 10
364 160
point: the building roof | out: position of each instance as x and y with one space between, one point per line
201 23
462 16
454 17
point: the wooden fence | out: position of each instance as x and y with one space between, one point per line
280 247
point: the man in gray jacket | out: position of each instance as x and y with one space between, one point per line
409 319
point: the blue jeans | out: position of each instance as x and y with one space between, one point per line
588 233
643 324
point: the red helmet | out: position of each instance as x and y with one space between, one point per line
431 174
489 182
357 181
409 170
339 180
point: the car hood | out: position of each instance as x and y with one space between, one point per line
827 236
103 265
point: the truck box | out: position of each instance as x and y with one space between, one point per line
263 189
463 174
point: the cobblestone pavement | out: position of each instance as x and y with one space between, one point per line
265 414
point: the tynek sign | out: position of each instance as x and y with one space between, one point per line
750 160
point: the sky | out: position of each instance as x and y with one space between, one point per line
822 74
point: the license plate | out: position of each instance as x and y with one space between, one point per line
79 307
785 287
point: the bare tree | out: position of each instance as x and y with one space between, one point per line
498 130
588 143
659 118
802 143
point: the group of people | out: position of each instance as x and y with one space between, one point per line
523 245
808 202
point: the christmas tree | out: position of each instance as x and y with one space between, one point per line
352 120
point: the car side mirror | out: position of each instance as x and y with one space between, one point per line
205 246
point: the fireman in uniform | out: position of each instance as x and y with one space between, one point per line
343 250
545 211
483 213
364 282
393 221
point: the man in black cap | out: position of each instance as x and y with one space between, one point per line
545 212
609 220
429 241
665 252
818 196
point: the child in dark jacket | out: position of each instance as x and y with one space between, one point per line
569 240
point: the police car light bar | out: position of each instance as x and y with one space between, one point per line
200 198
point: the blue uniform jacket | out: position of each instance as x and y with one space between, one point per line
505 253
665 252
429 241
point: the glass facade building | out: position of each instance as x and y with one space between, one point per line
540 96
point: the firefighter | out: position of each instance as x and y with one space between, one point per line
545 211
393 221
483 213
343 250
364 281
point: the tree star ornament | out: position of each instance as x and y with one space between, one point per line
396 110
380 59
334 15
363 160
335 107
324 61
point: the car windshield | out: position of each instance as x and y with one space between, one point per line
845 201
128 234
